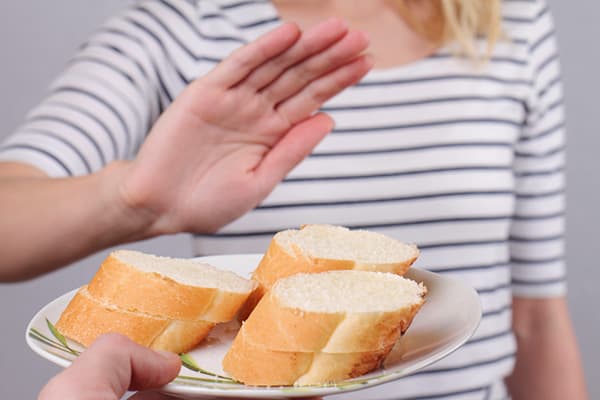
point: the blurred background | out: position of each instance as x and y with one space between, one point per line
38 37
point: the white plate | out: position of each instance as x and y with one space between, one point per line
447 320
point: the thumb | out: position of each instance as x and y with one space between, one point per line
293 148
112 365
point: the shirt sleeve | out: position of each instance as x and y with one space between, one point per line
537 230
99 109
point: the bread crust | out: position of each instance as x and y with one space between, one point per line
277 327
256 365
156 294
281 344
278 263
280 328
182 336
253 365
85 319
336 367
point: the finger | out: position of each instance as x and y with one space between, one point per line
318 92
291 149
112 365
311 42
296 78
244 60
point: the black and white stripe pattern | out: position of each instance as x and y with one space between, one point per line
465 160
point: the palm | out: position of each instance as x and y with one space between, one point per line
233 134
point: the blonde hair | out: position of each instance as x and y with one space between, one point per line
459 21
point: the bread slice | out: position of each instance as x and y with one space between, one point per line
258 366
300 329
254 365
323 327
319 248
159 302
173 288
336 367
86 318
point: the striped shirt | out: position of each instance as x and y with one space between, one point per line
465 160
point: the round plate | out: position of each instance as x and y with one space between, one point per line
448 318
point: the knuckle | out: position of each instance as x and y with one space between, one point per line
243 58
307 71
241 61
317 92
313 69
262 51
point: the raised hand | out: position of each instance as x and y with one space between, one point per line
233 134
220 149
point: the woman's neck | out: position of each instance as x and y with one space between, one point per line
393 42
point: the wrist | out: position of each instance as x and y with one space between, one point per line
137 219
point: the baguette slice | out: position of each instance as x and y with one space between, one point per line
178 289
336 367
86 318
254 365
303 330
319 248
342 323
258 366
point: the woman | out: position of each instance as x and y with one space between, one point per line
454 141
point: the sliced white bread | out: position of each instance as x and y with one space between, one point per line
86 318
323 327
257 366
319 248
173 288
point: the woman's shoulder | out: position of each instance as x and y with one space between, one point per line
523 19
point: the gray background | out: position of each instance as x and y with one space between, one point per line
36 38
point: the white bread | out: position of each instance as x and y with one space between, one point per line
258 366
86 318
323 327
299 328
159 302
319 248
170 287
